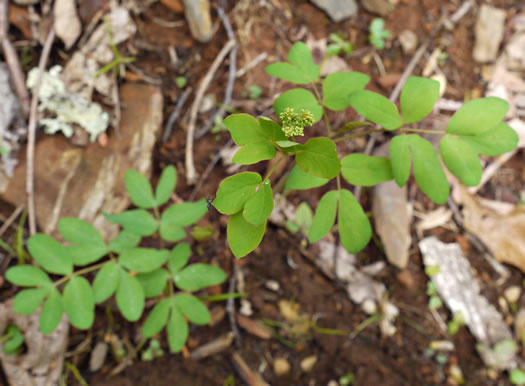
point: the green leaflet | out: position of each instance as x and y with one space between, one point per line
153 282
325 214
143 260
364 170
354 228
401 158
376 108
106 282
299 180
177 330
498 140
79 303
157 318
198 276
243 237
130 297
139 189
259 207
461 160
254 152
179 257
51 312
318 157
27 301
137 221
166 185
50 254
478 116
338 86
234 191
192 308
27 276
418 97
301 68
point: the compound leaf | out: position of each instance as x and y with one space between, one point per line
166 185
51 312
325 214
258 208
376 108
354 228
130 297
198 276
299 180
50 254
243 237
157 318
299 99
461 160
106 282
27 276
136 221
143 260
79 303
193 309
478 116
338 86
139 189
234 191
364 170
418 97
318 157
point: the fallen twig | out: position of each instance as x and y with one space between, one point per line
231 75
11 219
250 377
230 307
30 176
191 174
17 75
258 59
175 114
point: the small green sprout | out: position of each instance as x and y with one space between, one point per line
378 34
338 45
255 92
293 123
181 81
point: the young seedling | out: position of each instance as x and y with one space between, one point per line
338 45
247 197
131 273
378 33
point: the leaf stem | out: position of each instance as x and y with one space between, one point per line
424 131
325 116
80 272
272 169
361 134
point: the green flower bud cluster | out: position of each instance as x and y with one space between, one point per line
293 123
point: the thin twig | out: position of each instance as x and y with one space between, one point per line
30 177
258 59
17 75
11 219
207 171
191 174
231 75
230 307
175 114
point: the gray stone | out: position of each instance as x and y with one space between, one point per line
489 33
379 7
198 16
338 10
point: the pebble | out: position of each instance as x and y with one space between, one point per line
308 363
489 31
408 40
369 306
512 294
272 285
281 366
380 7
98 356
337 10
198 16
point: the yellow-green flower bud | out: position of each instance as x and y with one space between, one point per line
293 123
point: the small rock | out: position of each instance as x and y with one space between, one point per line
308 363
334 64
289 311
272 285
98 356
380 7
408 40
338 10
519 324
198 16
489 33
516 51
389 80
512 294
208 102
281 366
406 278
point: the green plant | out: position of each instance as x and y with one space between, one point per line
378 33
338 45
131 273
247 197
118 60
181 81
255 91
12 340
